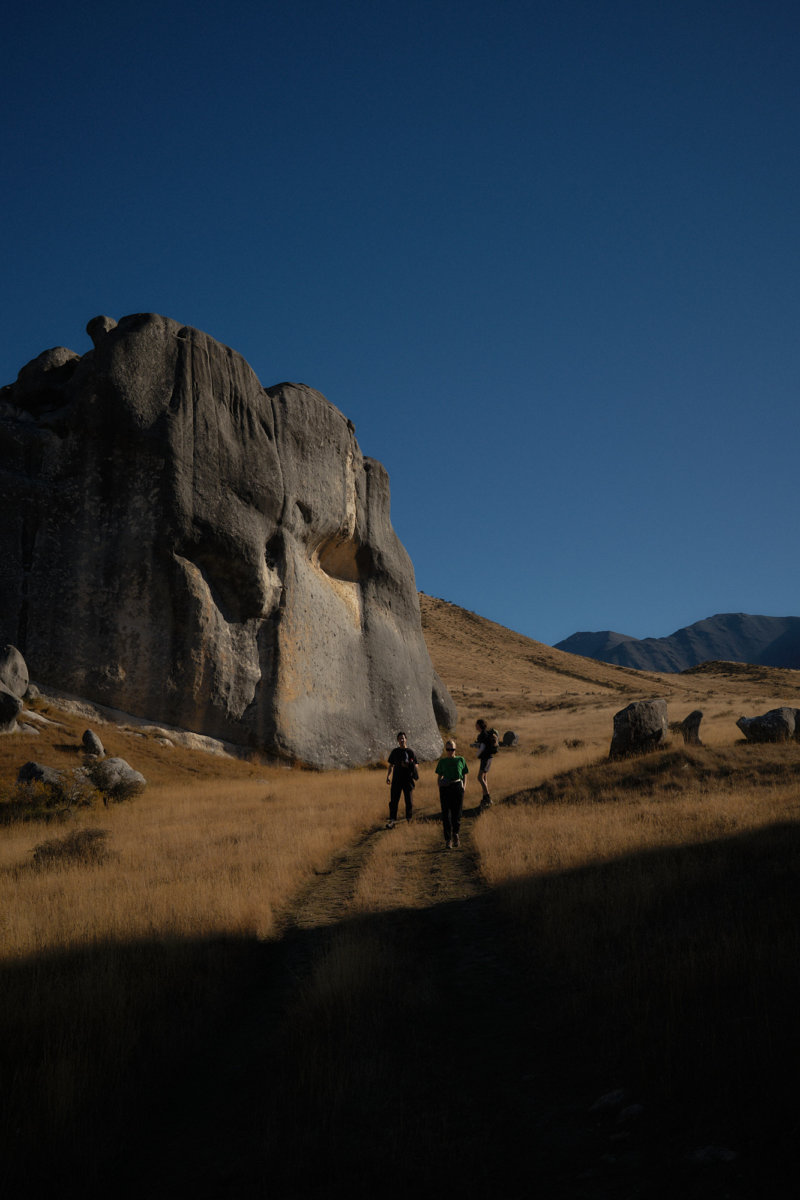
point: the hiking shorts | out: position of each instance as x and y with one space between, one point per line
486 762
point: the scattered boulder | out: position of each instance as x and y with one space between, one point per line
92 744
509 738
639 728
192 548
13 671
33 772
690 728
777 725
10 706
116 779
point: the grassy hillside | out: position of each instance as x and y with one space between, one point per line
242 985
547 695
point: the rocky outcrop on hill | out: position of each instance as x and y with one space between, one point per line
729 637
187 546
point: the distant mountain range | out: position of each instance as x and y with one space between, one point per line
729 637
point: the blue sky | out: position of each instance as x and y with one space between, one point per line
545 255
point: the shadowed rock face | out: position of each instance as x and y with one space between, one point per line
188 546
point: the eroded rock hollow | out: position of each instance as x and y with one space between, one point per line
183 544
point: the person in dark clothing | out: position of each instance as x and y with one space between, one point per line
452 771
486 752
402 775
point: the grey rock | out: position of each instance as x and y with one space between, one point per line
40 382
710 1155
631 1112
510 738
609 1100
191 548
10 706
13 671
92 744
117 778
33 772
639 728
690 728
777 725
98 327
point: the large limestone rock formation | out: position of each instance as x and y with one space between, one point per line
185 545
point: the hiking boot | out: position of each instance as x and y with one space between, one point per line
448 845
390 824
456 841
486 802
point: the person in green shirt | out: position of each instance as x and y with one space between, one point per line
452 771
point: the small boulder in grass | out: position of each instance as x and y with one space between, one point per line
117 780
92 744
639 728
777 725
690 728
33 772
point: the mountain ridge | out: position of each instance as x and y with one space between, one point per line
731 637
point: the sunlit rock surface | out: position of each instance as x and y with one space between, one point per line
185 545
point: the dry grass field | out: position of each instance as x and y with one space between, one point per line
279 996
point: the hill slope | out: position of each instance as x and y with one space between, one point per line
547 694
735 637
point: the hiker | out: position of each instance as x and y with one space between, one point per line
487 744
403 774
452 771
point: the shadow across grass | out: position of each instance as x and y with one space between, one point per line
462 1047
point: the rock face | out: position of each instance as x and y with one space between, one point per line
187 546
639 728
777 725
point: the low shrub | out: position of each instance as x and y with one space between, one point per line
79 846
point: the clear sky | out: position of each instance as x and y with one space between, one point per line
543 253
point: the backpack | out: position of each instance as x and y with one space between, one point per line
492 742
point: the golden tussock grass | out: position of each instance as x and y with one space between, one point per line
655 902
103 957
